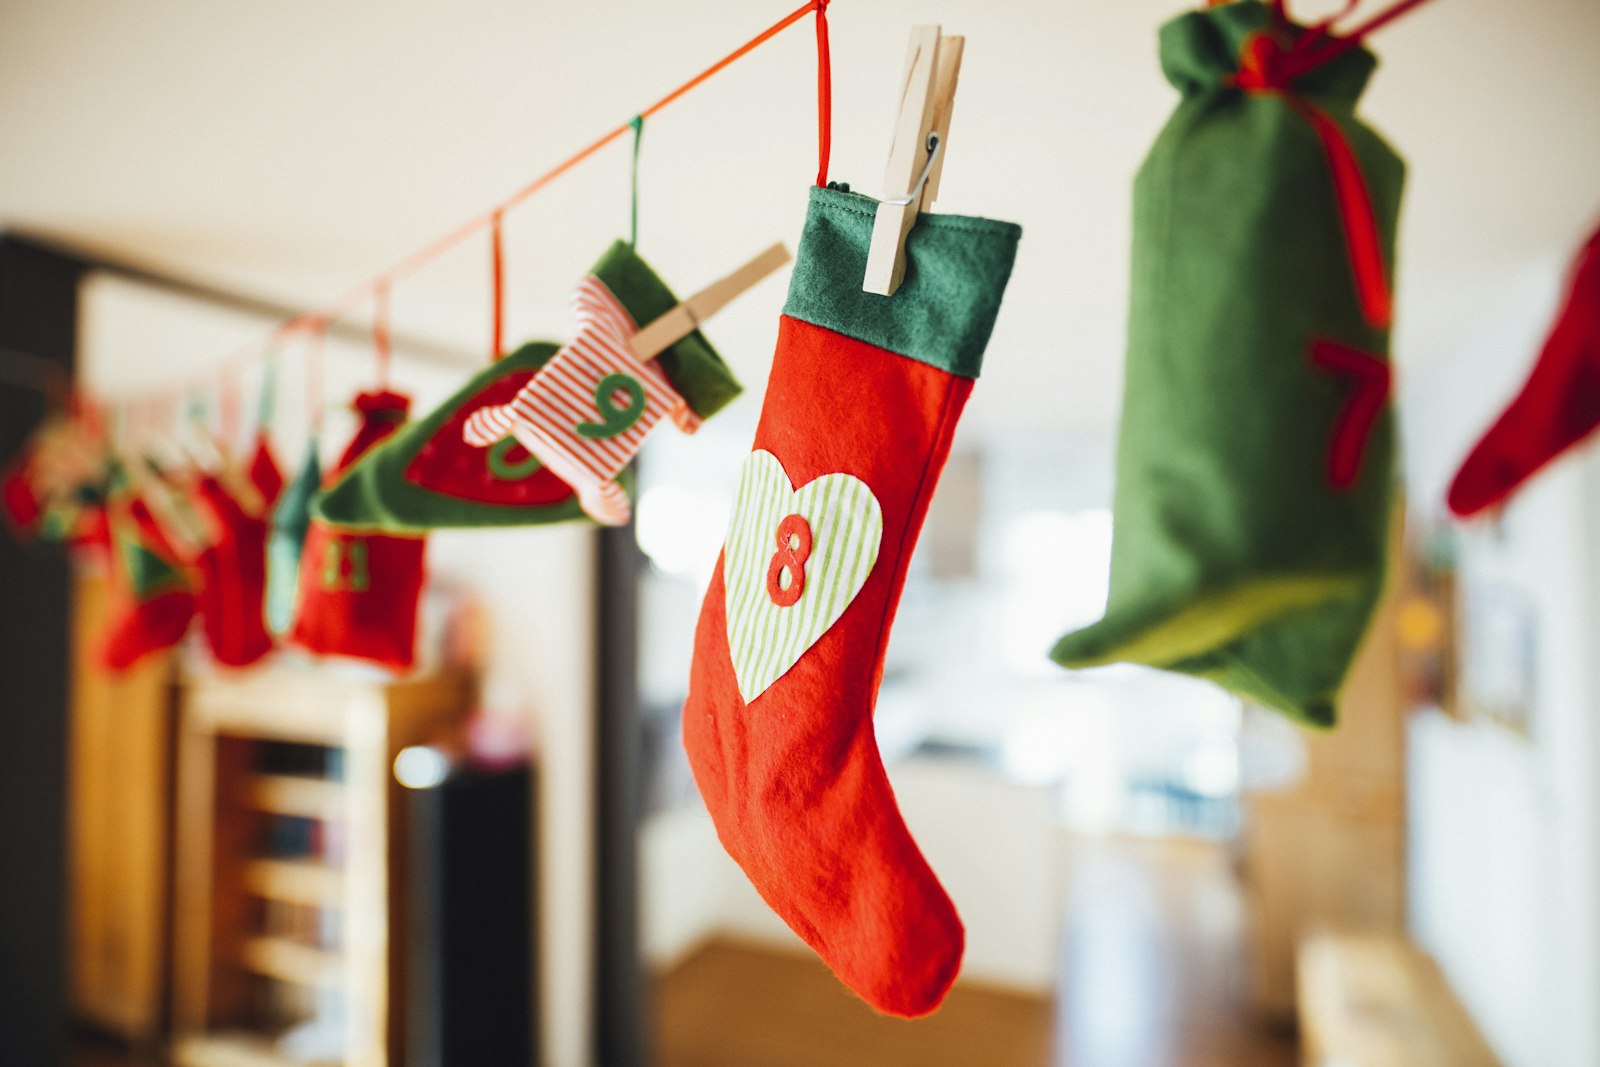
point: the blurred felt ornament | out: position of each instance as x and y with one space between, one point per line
1255 462
359 591
1557 407
153 593
291 519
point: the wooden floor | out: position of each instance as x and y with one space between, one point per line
1150 977
734 1005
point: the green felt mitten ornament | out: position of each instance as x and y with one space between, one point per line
427 477
1255 463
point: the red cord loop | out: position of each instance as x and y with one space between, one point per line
498 269
380 331
824 94
315 329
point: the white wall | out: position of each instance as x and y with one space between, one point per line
1502 829
537 586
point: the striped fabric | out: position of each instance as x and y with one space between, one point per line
586 412
846 527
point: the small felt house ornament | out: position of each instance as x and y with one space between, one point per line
359 591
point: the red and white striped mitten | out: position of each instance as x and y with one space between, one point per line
588 410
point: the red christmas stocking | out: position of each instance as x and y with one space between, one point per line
1559 404
234 579
265 474
863 399
155 597
359 592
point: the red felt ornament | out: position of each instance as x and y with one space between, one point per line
1558 406
153 598
233 572
359 592
265 474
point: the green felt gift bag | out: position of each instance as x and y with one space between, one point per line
1256 455
425 477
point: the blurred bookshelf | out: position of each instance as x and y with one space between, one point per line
289 909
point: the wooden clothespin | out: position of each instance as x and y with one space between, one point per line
916 157
684 319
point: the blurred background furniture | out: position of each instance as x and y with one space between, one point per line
120 810
289 919
1379 1001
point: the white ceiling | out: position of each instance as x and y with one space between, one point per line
289 149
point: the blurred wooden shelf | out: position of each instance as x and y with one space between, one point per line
123 728
237 981
226 1049
1379 1001
307 882
298 795
290 961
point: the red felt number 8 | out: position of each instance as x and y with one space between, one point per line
794 548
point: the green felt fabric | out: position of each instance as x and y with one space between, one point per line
699 375
1233 556
942 314
149 574
291 518
376 495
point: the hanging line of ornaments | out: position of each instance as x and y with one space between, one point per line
1307 52
157 405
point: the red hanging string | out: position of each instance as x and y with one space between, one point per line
228 406
1362 241
443 244
497 257
824 94
1327 48
380 331
317 321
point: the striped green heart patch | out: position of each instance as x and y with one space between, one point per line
795 558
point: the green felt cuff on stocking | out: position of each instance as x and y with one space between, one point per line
425 477
1234 556
942 314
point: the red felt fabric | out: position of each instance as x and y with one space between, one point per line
793 780
447 464
233 585
265 474
359 593
1558 406
138 627
22 505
